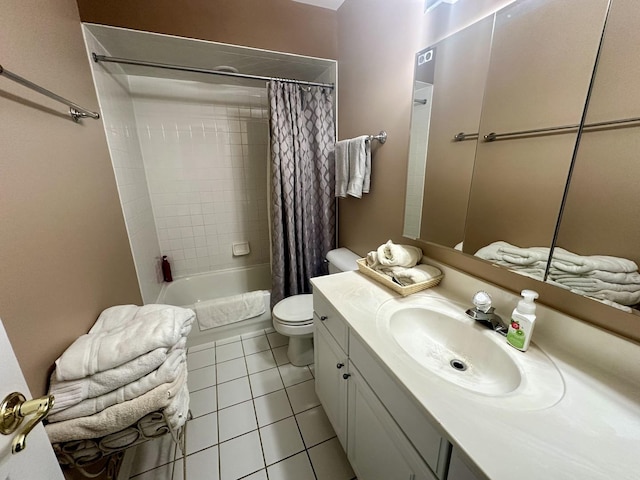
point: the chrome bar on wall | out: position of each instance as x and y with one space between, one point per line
75 110
460 137
181 68
381 137
609 123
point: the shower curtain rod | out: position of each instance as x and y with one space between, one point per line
127 61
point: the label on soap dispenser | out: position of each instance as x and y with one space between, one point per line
515 335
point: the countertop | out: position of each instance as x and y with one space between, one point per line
592 431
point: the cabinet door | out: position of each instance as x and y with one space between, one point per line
331 387
377 448
458 470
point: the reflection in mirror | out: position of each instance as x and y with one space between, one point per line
600 215
419 137
458 74
541 65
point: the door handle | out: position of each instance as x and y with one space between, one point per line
14 408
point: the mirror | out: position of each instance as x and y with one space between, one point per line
600 211
538 68
455 74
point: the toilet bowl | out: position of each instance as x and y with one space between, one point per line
293 316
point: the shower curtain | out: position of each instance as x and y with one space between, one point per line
302 184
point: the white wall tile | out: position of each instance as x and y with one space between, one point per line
193 139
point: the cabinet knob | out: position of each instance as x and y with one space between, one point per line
346 375
340 365
323 318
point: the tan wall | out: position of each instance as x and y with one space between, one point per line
280 25
377 41
64 254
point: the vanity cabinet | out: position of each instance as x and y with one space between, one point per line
385 434
376 447
331 364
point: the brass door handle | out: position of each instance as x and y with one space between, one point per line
14 408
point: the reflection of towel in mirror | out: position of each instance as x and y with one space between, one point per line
505 252
410 276
595 285
359 166
392 255
572 263
610 277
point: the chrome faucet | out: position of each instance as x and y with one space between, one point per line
484 313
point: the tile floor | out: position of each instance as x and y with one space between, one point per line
255 417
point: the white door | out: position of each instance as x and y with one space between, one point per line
37 461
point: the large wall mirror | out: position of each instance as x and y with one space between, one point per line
511 160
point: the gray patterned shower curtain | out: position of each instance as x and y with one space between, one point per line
302 185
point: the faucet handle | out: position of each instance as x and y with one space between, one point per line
482 301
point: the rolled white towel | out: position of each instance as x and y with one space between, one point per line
118 416
72 392
410 276
174 366
372 259
392 255
122 334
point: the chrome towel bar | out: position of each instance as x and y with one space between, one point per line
76 111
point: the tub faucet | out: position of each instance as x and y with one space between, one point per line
484 313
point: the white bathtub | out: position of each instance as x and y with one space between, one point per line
187 291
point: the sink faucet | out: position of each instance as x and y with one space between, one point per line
484 313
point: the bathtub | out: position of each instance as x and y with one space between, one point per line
185 292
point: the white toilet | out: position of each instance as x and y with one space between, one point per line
293 316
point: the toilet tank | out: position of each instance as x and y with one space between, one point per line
342 260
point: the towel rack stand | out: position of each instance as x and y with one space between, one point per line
381 137
75 110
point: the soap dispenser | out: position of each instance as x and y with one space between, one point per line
522 321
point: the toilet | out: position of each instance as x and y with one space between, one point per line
293 316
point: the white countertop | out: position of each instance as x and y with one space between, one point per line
591 432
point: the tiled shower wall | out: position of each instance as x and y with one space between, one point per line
205 153
124 147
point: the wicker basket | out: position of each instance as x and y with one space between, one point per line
387 282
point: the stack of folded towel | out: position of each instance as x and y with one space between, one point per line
353 166
400 263
612 280
131 363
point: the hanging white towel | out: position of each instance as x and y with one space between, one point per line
222 311
342 167
359 158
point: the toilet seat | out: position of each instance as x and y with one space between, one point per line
296 310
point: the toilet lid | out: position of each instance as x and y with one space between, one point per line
295 309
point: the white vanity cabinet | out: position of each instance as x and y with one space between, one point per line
331 363
385 435
376 447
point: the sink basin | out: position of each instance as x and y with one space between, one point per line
434 337
454 350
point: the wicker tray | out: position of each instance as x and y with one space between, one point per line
387 282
